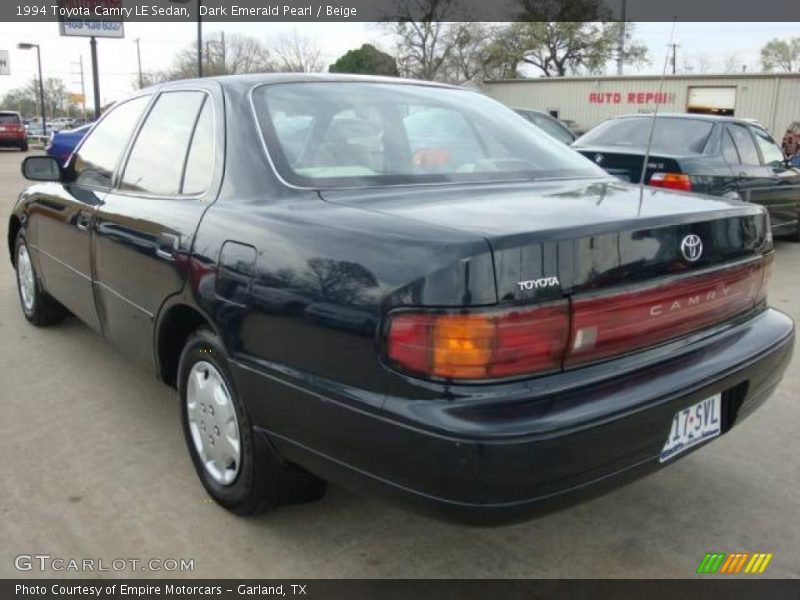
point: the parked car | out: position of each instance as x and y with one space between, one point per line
62 143
489 334
721 156
35 133
12 131
573 127
550 125
791 140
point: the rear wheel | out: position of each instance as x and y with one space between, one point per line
237 465
37 306
24 146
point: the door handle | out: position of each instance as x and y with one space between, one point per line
83 220
167 246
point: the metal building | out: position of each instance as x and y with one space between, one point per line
772 99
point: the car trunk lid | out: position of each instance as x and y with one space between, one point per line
626 165
558 238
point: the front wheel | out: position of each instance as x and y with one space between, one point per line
236 464
37 306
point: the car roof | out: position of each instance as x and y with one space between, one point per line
9 112
246 81
693 116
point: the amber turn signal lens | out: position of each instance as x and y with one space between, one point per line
475 345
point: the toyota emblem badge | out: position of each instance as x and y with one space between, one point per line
692 247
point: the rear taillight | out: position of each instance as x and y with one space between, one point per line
495 344
672 181
480 344
610 324
766 276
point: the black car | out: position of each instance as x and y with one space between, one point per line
550 125
487 326
721 156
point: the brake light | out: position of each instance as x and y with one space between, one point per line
480 344
672 181
610 324
498 343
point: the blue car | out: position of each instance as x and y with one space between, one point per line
62 143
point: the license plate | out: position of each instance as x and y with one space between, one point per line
692 425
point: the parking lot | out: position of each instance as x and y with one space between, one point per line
94 466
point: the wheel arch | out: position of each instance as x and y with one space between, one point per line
14 225
174 326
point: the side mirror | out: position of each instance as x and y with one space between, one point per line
41 168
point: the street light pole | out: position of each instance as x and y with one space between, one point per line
41 83
139 59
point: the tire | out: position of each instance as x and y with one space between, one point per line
258 479
38 306
24 147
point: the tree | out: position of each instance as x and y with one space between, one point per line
367 60
298 54
557 48
426 36
222 55
26 100
782 55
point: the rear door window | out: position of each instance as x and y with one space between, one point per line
748 154
200 163
729 152
97 158
156 162
770 151
670 136
9 119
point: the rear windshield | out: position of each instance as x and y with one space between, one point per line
671 136
9 118
350 134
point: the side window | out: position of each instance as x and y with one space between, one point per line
155 164
729 152
96 159
200 163
770 151
744 144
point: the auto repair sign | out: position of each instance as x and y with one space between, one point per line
631 98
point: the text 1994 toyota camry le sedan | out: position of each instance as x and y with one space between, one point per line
472 317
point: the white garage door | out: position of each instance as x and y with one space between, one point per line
712 98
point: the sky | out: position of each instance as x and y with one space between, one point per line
709 43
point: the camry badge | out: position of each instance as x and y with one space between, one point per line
692 247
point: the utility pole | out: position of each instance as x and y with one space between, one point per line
621 49
95 77
674 55
79 64
139 60
222 40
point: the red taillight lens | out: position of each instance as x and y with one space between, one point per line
612 324
480 344
672 181
493 344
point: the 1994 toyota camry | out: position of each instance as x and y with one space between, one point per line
402 287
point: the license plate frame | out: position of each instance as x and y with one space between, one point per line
693 425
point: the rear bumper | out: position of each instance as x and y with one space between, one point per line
525 448
12 141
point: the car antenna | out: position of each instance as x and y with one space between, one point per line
655 115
